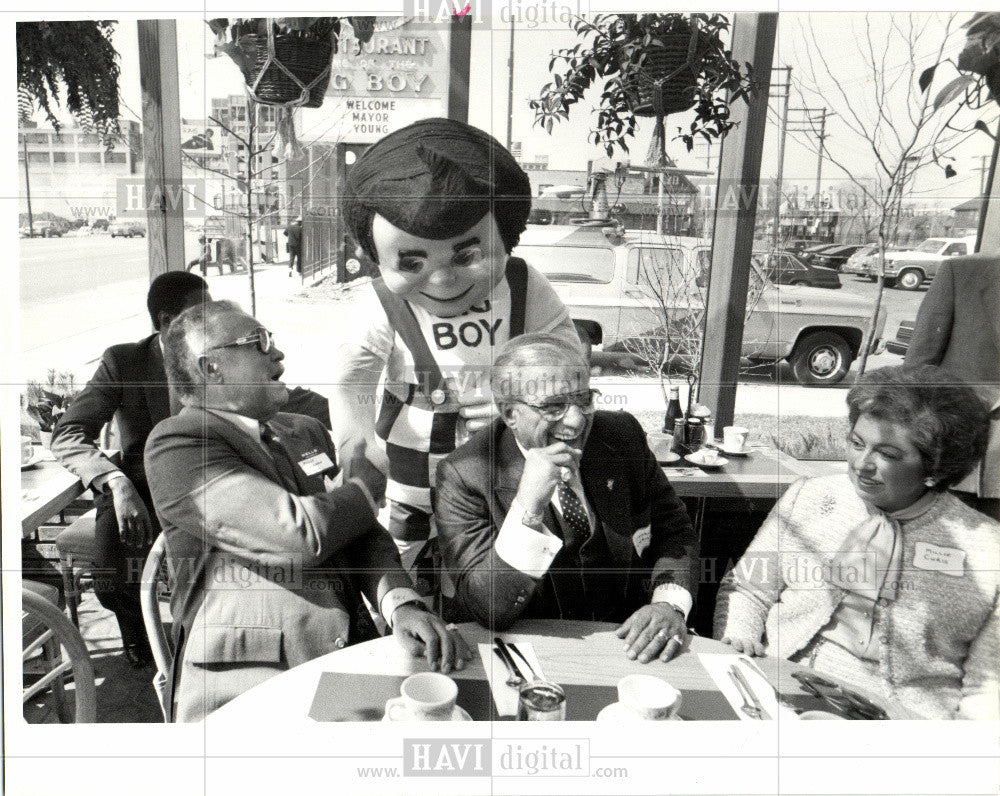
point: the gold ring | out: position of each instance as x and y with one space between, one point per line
565 474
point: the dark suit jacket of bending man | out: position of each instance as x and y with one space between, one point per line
268 573
628 493
958 328
130 385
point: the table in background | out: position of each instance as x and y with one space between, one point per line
51 488
570 653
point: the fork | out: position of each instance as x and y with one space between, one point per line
514 679
513 647
746 707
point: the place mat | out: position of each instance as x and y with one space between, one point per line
350 696
717 665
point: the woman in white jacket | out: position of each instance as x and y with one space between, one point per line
881 578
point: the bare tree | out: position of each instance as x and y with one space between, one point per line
886 125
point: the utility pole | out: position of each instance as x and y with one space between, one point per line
807 123
510 86
982 169
786 96
819 158
27 187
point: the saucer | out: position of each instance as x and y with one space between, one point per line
458 714
694 458
668 458
744 451
617 712
36 457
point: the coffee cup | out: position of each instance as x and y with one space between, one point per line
660 444
648 698
734 438
27 450
427 696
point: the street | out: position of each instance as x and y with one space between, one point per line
80 295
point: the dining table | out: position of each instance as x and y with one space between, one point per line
47 488
586 659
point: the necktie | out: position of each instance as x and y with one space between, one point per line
575 521
280 455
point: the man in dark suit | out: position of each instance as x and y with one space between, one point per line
271 555
130 385
958 328
558 511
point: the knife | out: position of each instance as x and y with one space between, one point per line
501 645
738 675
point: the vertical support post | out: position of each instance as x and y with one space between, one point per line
459 57
510 88
989 217
732 238
161 131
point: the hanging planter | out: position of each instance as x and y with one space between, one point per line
285 61
652 65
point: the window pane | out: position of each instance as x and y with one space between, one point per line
90 157
571 263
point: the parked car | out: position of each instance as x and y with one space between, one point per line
127 229
598 275
900 344
46 229
785 268
908 269
863 262
835 256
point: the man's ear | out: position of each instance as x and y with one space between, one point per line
164 318
507 414
207 367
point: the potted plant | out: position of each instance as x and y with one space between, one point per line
79 56
652 65
46 403
285 60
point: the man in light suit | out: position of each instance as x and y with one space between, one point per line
130 385
270 556
958 328
558 511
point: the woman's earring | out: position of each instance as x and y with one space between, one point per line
930 483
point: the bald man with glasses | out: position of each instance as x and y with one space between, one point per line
271 549
559 510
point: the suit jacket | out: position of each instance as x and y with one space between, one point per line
624 486
267 573
958 328
129 385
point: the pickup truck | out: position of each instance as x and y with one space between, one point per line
613 283
910 268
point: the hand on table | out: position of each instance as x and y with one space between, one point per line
543 470
422 633
649 631
747 646
134 524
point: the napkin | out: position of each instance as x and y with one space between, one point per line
717 665
504 696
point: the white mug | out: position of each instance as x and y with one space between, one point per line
709 456
660 444
648 697
735 437
427 696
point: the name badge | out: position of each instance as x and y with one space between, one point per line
641 539
314 463
946 560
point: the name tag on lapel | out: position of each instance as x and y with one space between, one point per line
947 560
315 462
641 539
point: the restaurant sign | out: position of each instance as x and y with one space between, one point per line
396 78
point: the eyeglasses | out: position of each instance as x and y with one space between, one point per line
848 702
262 338
556 408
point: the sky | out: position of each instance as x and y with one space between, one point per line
834 42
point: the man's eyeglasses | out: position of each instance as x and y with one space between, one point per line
556 408
848 702
262 338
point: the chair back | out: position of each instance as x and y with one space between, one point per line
158 641
52 627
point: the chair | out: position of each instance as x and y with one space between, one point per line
44 627
77 547
149 599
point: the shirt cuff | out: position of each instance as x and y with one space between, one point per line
676 595
527 550
102 480
395 598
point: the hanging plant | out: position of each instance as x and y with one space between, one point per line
77 59
653 65
285 60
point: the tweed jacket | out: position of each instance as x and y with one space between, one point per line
940 637
266 573
644 525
